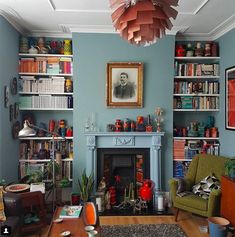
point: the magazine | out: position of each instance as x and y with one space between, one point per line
70 212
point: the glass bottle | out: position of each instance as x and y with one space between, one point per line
189 50
159 200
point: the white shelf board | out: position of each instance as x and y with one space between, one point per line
197 77
45 55
45 93
196 138
67 159
197 58
46 74
35 161
198 110
182 160
45 138
55 109
199 94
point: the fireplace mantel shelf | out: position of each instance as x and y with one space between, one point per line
132 140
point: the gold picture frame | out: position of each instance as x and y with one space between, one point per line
124 85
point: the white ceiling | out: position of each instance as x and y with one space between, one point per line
197 19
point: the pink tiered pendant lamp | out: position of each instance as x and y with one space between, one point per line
142 22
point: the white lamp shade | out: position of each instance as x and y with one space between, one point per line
26 131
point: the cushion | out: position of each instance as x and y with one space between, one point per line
2 213
192 201
181 186
204 187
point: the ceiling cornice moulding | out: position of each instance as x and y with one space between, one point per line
76 10
13 18
214 34
88 28
195 12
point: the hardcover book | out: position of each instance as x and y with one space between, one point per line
71 212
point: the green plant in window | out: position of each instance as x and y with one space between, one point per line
230 168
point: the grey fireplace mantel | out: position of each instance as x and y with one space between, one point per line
151 140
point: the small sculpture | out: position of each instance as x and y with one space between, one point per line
107 201
159 119
102 185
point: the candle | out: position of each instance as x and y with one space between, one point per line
98 203
129 192
160 203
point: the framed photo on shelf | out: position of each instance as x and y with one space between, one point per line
230 98
124 86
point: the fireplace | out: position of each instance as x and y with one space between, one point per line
121 151
130 165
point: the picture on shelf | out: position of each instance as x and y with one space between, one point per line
124 84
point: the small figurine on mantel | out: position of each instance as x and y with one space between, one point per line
159 119
149 127
107 201
102 185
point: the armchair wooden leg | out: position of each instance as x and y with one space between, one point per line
177 213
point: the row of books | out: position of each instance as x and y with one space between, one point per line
51 65
49 84
200 102
196 69
187 149
180 168
30 149
185 87
46 101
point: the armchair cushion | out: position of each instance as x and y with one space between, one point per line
181 186
192 200
205 186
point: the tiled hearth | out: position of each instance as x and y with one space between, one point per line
129 140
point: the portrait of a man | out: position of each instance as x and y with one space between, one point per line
124 88
124 84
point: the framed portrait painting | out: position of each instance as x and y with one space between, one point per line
230 98
124 85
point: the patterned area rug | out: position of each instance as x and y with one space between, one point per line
158 230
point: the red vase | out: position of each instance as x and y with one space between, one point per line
146 191
179 51
112 192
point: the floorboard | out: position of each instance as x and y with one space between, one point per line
189 223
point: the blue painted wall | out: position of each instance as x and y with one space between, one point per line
227 54
91 54
9 148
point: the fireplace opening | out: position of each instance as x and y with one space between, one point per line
128 164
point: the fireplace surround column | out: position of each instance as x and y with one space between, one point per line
131 140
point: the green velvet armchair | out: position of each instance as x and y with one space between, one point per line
201 166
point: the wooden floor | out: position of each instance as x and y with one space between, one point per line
189 223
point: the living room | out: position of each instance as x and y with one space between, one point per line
92 50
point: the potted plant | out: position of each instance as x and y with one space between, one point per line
86 184
230 168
